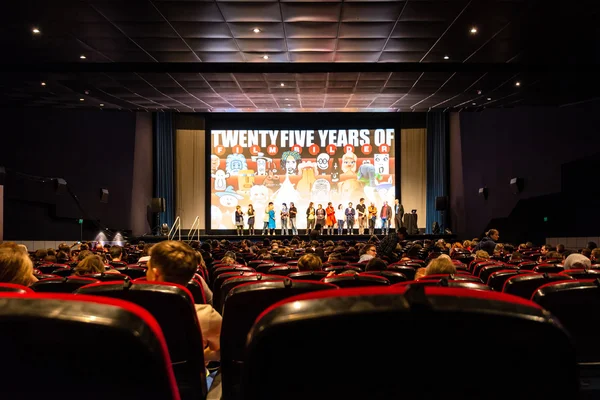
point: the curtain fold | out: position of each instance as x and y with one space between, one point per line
437 166
163 164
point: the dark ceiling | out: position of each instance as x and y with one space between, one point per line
322 55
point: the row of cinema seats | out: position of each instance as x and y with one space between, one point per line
322 343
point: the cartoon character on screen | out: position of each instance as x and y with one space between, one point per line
234 163
220 178
350 189
382 164
309 172
245 180
259 197
215 161
349 162
323 163
261 163
320 191
289 162
367 174
386 191
229 199
335 175
216 218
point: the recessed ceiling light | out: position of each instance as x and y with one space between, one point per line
83 57
36 31
473 30
517 83
101 104
266 57
256 30
282 84
446 58
489 99
43 83
289 105
81 99
474 103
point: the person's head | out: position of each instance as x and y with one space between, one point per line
493 234
92 264
545 249
292 204
402 233
349 205
238 208
171 261
270 205
40 254
362 200
116 252
596 254
15 265
311 204
329 204
560 248
576 260
440 265
83 254
499 248
482 255
250 207
228 260
62 257
369 249
284 205
310 262
65 247
375 264
586 252
320 206
340 207
334 256
396 201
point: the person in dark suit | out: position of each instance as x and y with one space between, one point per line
398 214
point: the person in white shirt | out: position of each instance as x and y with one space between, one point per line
340 216
175 262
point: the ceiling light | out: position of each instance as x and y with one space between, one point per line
256 30
489 99
266 57
474 103
446 58
101 104
479 91
87 92
473 30
289 105
517 83
282 84
81 99
83 57
43 83
36 31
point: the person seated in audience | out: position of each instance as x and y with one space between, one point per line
15 265
92 264
116 253
368 252
595 256
50 259
586 252
482 255
560 248
334 256
467 245
310 262
201 264
376 264
553 255
545 249
488 243
62 257
40 254
175 262
516 258
441 265
577 261
227 260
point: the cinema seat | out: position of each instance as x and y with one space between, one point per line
487 271
444 282
392 276
104 277
68 284
549 268
406 270
133 271
243 304
526 285
451 277
582 273
283 270
61 346
356 280
172 306
197 291
533 354
338 269
308 275
14 288
231 283
497 279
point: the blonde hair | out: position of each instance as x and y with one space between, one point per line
15 265
92 264
482 255
440 265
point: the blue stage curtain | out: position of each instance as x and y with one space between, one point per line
164 145
437 165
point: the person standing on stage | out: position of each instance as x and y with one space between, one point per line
361 210
239 221
250 213
398 214
271 209
350 213
310 218
320 213
330 219
266 221
284 215
340 216
372 218
293 211
386 215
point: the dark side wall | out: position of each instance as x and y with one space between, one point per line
89 149
529 143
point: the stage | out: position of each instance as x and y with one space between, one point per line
233 237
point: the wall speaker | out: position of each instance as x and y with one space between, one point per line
441 203
483 192
516 184
60 186
2 175
103 195
158 205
